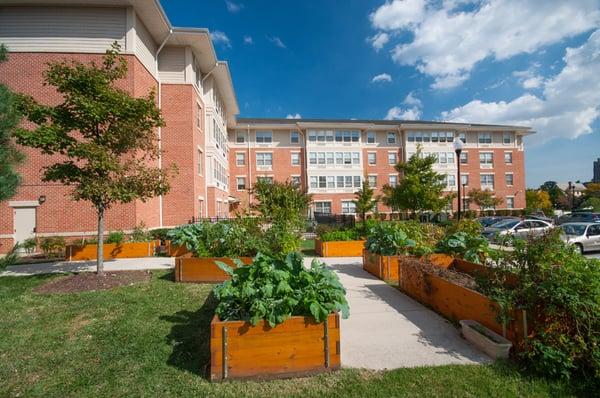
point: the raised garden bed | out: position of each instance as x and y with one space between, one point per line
177 250
296 347
203 269
112 250
486 340
383 267
349 248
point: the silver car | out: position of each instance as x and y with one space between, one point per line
516 228
585 236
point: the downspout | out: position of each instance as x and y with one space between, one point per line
249 166
160 198
305 168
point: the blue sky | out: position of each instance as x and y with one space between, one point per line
511 61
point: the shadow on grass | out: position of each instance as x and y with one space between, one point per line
168 276
190 338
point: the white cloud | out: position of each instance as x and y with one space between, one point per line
248 40
446 43
533 82
383 77
379 40
569 104
529 78
277 41
219 37
412 100
292 116
397 113
233 7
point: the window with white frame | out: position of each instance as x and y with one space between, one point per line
464 179
450 181
330 181
323 207
372 181
509 179
329 157
241 183
264 137
391 137
507 138
240 159
462 137
392 158
322 181
198 116
296 180
294 137
393 180
295 158
485 138
370 137
348 207
264 159
240 137
508 157
510 202
486 159
372 158
487 181
313 182
464 158
200 158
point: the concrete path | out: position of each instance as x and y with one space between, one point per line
387 329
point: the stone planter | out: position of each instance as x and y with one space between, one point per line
488 341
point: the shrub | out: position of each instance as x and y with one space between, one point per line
340 235
29 245
11 258
474 248
53 246
388 239
468 226
160 234
140 234
116 237
276 289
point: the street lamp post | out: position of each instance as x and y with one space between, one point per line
458 146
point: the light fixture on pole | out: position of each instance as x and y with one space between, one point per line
458 147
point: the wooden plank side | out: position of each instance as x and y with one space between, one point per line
205 269
113 250
352 248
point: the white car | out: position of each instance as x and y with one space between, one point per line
517 228
584 236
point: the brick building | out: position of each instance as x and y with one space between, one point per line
219 156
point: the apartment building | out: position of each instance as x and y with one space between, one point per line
331 158
194 91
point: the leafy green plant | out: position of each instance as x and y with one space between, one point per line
11 258
339 235
389 239
468 226
140 234
29 245
474 248
53 246
160 234
116 237
276 289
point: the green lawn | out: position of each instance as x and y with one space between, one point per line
152 340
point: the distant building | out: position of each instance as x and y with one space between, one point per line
596 171
577 188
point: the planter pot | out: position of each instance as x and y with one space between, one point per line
203 269
112 250
383 267
298 346
350 248
486 340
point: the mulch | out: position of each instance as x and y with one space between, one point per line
451 275
90 281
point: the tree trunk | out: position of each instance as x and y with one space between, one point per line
100 254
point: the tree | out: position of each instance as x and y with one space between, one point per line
592 190
557 196
9 155
420 189
105 137
591 202
484 199
365 202
538 200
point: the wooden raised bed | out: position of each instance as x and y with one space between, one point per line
112 250
177 250
298 346
350 248
383 267
203 269
456 302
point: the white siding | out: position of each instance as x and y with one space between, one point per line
171 65
145 48
55 29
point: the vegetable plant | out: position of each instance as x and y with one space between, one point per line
116 237
474 248
388 239
339 235
276 289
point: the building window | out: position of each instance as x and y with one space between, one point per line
295 158
294 138
241 183
370 137
487 181
485 138
322 182
198 116
312 158
199 162
466 202
323 207
372 181
296 180
508 157
355 157
240 137
391 137
268 179
464 158
355 136
372 158
313 182
510 202
509 179
507 138
451 181
329 157
486 159
462 137
393 181
240 159
264 159
330 181
348 207
264 137
392 160
320 157
464 179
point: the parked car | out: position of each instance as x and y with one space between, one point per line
491 220
584 236
540 216
578 217
517 228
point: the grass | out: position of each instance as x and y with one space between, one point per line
152 340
